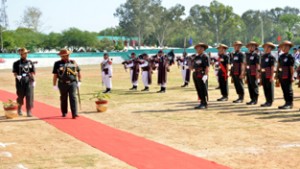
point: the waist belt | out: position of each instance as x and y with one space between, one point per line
67 81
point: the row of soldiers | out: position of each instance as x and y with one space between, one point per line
252 68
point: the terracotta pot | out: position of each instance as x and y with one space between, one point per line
11 112
101 105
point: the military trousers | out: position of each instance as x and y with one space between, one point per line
287 89
25 90
239 86
268 88
252 86
201 88
223 83
68 90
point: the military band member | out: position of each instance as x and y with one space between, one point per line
238 71
106 72
163 69
222 73
185 70
252 67
200 65
146 67
67 73
24 72
133 65
267 64
285 71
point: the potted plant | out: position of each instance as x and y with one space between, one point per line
11 109
101 101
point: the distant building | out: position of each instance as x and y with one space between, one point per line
128 41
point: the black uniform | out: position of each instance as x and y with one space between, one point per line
238 60
67 84
267 62
24 69
223 75
252 60
200 63
285 62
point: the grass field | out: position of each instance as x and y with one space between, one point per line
239 136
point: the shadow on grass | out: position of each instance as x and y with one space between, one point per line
24 119
167 110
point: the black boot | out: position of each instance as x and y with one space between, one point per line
252 102
239 100
20 110
162 90
266 105
108 90
29 113
185 84
222 99
133 88
286 106
146 89
201 106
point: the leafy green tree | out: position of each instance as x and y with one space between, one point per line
164 21
134 17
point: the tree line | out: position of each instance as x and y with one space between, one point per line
213 24
156 25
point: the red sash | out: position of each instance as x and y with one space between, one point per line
223 69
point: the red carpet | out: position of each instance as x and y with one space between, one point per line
134 150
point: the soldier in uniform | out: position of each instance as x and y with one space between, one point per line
146 67
200 65
222 73
285 71
67 73
163 69
185 70
106 72
133 64
267 73
238 71
252 60
24 72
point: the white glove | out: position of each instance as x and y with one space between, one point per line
19 77
78 84
34 84
55 87
204 78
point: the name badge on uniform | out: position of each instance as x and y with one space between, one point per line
26 66
251 58
198 62
285 60
235 58
61 68
267 60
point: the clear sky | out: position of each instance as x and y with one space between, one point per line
95 15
